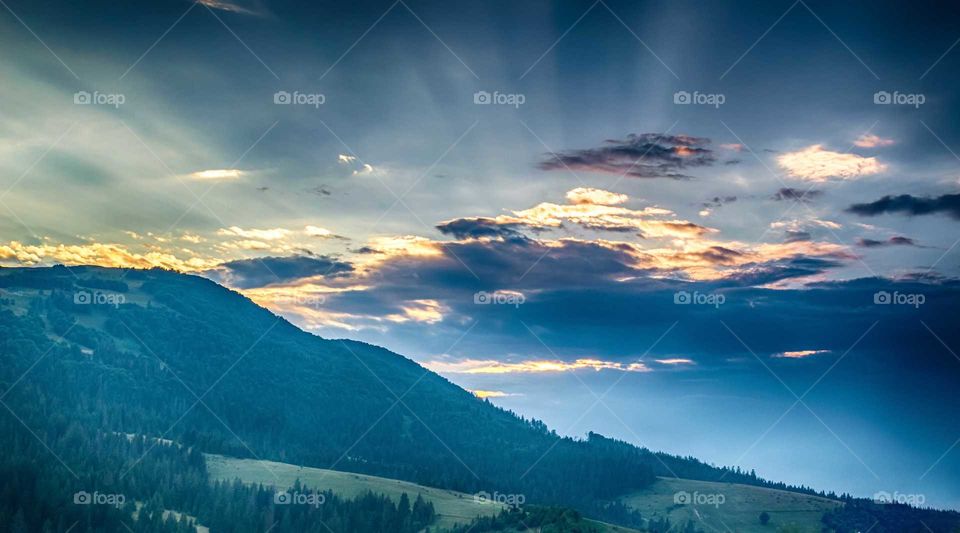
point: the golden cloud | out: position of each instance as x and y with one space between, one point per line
101 254
216 174
490 394
799 354
587 195
491 366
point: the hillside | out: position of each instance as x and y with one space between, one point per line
452 507
729 506
185 359
87 354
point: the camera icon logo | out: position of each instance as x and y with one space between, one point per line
281 97
882 298
481 297
281 498
82 98
82 298
882 97
481 97
681 97
482 497
82 498
682 298
682 498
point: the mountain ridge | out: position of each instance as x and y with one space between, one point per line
181 357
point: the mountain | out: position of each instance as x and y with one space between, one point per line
89 355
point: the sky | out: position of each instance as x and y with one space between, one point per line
720 230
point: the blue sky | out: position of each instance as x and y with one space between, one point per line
780 166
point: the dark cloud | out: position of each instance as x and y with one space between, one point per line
796 267
646 155
263 271
910 205
797 236
480 227
791 194
720 255
319 190
718 201
892 241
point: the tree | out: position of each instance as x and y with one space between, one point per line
764 518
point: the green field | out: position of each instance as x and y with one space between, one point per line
451 506
740 508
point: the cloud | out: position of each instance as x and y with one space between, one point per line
816 164
870 140
590 209
264 271
534 366
315 231
802 229
273 234
892 241
481 228
102 254
366 170
790 194
217 174
797 236
646 155
799 354
910 205
242 7
718 201
736 147
359 167
675 361
482 394
426 311
587 195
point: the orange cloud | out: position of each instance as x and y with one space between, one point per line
872 141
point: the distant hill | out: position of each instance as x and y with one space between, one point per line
91 353
729 506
